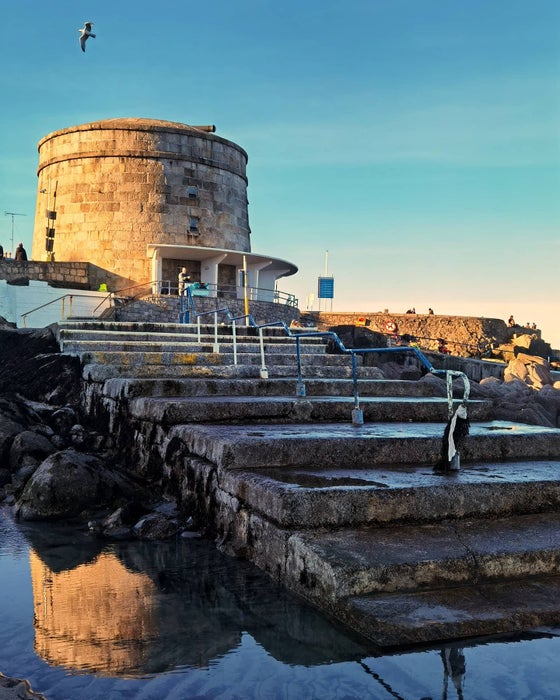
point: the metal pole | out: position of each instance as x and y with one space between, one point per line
245 298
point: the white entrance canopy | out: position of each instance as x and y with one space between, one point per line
262 270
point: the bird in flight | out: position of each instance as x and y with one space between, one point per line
85 33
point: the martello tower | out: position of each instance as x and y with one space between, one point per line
138 197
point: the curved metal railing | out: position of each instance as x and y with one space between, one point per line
357 413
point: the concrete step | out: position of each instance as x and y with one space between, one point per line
283 386
348 446
201 409
185 345
336 497
177 328
335 564
101 371
503 607
67 336
165 358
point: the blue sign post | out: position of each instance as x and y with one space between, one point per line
326 288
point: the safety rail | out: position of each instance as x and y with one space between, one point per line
357 412
232 291
66 302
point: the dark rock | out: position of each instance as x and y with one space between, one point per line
29 447
17 689
64 485
156 526
33 366
63 419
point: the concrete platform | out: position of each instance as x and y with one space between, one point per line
453 613
181 388
316 497
344 445
201 409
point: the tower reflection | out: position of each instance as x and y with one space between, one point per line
98 617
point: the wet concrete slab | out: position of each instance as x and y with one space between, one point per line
335 444
181 389
174 410
454 613
411 557
337 497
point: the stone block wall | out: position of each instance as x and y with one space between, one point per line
165 309
465 334
119 184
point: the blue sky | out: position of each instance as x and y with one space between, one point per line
418 141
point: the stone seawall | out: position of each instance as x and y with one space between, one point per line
465 335
72 275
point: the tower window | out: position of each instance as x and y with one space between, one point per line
193 224
192 192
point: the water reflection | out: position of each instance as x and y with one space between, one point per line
136 608
82 618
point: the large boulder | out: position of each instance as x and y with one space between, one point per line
530 369
64 485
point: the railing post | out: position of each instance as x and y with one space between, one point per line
234 340
264 370
357 413
216 345
300 387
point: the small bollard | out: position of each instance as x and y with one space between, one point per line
264 373
300 389
357 416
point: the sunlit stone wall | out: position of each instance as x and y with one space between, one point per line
117 185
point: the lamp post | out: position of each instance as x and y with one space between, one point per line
12 214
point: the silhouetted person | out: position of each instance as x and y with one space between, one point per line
20 253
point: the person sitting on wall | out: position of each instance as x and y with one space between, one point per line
20 253
183 279
511 321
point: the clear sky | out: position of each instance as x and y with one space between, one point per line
418 141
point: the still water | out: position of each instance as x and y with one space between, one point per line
87 619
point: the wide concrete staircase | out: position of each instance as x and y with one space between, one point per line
353 518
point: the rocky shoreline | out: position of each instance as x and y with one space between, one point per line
54 466
17 689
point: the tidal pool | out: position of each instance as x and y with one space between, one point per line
83 618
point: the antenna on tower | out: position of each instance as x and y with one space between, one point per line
12 214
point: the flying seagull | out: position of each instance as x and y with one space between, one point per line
85 33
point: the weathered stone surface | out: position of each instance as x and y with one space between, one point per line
64 485
32 366
17 689
29 447
156 526
533 370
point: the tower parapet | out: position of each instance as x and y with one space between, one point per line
118 186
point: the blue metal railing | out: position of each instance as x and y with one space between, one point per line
357 413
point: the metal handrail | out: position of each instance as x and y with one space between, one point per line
63 298
357 413
278 297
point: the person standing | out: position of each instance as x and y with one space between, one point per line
183 279
1 252
20 253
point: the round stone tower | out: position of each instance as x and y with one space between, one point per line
109 189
